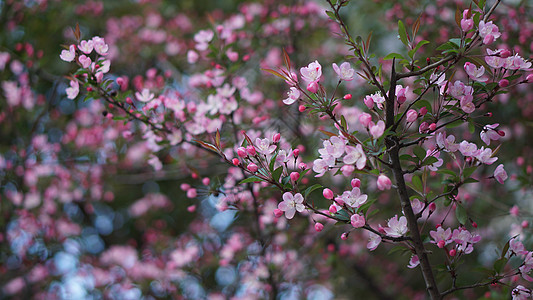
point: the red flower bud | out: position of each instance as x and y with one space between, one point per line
236 161
319 227
347 97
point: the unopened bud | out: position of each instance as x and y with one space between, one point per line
332 209
356 182
432 207
278 213
241 151
347 97
295 176
301 108
453 252
276 138
432 126
328 194
503 83
296 152
312 87
319 227
236 161
252 167
344 236
423 111
251 150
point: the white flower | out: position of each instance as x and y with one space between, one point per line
293 95
355 155
312 72
144 96
291 204
353 198
396 228
345 72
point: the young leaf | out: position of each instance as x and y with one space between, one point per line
460 214
310 189
251 179
402 32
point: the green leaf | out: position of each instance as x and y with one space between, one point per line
401 249
419 152
402 32
460 214
311 188
430 160
409 158
331 15
447 172
277 174
500 264
468 171
455 124
251 179
302 174
272 162
420 44
505 249
364 208
393 55
470 180
417 183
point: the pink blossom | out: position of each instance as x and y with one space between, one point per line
494 60
252 167
356 182
86 46
521 293
334 147
365 119
357 221
488 31
345 72
373 242
192 56
73 90
376 98
485 156
100 46
384 183
396 228
294 176
291 204
499 174
353 198
446 143
475 73
441 237
312 87
355 155
312 72
527 267
468 149
293 95
144 96
377 130
319 227
467 24
84 61
417 206
489 133
401 94
517 63
517 248
413 262
68 55
263 146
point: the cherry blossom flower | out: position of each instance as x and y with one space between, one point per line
144 96
446 143
441 237
192 56
489 133
373 241
499 174
413 262
517 63
322 165
85 61
376 98
333 147
434 166
73 90
345 71
488 31
293 95
521 293
377 130
355 155
468 149
465 240
517 248
312 72
353 198
100 46
396 227
417 206
357 221
475 73
485 156
494 60
527 267
68 55
86 46
291 204
263 146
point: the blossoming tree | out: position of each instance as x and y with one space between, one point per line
239 166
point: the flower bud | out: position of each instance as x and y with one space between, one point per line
529 78
441 244
251 150
365 119
206 181
276 138
423 127
328 194
505 53
252 167
236 161
185 186
344 236
384 183
312 87
301 108
347 97
241 151
295 176
432 207
319 227
432 126
356 182
332 209
411 115
278 213
296 153
191 193
369 102
191 208
474 224
525 224
503 83
423 111
453 252
302 166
